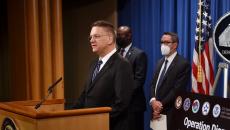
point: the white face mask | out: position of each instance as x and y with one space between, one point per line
165 50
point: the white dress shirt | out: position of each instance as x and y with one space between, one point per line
170 59
106 58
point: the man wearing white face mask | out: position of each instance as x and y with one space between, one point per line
171 75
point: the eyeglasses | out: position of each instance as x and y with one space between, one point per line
96 36
166 42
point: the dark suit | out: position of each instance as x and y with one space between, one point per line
113 87
176 79
138 60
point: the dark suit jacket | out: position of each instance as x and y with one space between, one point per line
113 87
176 79
138 60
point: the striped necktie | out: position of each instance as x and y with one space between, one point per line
96 70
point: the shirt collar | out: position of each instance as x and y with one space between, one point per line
106 57
127 48
171 57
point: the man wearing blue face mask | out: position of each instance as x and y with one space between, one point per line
171 75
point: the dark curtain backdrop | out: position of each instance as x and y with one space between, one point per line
4 57
150 18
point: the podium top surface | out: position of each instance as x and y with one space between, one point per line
50 109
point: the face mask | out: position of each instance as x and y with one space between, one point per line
165 50
122 42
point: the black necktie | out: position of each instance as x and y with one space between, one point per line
96 70
162 75
122 51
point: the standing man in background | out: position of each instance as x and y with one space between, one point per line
138 60
171 75
110 81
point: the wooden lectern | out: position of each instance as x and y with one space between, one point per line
52 116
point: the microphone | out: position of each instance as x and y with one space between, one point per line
50 90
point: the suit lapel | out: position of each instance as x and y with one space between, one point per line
172 65
159 67
129 53
101 72
89 81
156 75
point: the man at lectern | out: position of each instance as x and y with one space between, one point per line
171 75
110 81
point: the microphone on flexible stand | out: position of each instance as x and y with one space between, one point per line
50 90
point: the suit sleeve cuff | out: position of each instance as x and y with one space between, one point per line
151 100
